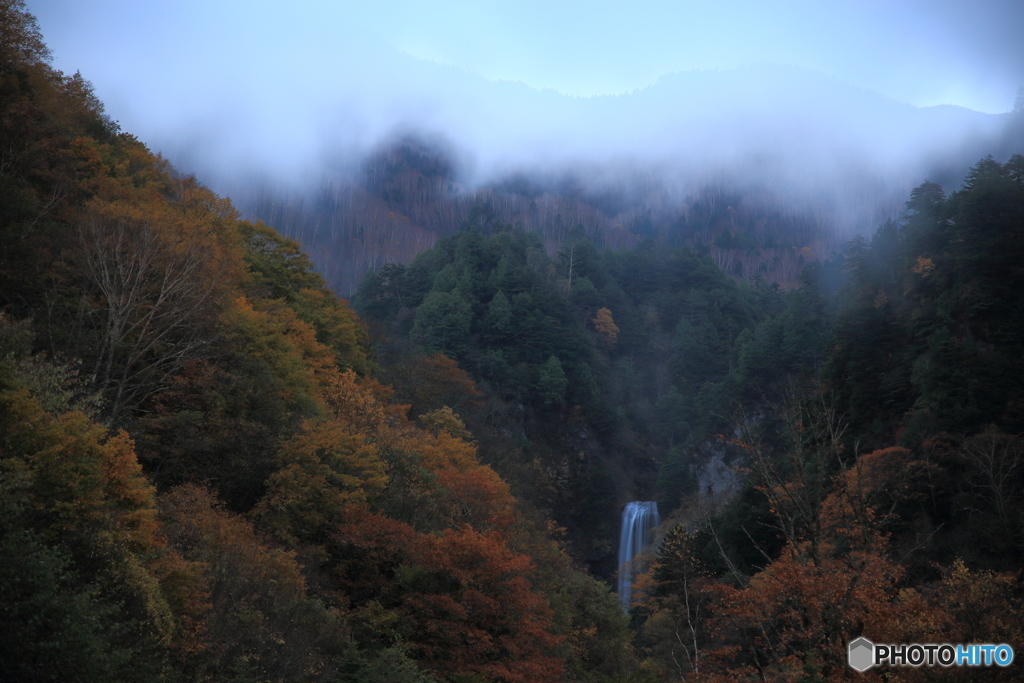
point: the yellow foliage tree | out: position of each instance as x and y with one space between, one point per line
323 469
78 494
606 326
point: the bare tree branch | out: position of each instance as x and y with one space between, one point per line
152 294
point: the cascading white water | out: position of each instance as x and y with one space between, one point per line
638 522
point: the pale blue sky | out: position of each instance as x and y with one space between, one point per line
272 83
916 51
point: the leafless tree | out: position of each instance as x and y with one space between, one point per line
797 481
996 460
151 298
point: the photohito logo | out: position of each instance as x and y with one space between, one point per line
863 654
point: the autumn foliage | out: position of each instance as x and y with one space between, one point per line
243 501
833 581
209 470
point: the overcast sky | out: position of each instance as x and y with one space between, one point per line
248 74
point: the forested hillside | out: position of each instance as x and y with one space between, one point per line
202 478
883 499
214 469
407 195
837 460
610 371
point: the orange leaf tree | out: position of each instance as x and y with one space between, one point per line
461 599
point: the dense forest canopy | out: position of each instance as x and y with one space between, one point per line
214 469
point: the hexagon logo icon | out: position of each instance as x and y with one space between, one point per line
861 654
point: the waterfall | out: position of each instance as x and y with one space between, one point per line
638 522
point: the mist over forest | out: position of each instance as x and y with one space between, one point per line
288 110
380 370
798 158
